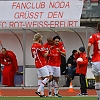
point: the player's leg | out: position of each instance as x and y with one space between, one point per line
56 75
44 73
50 82
96 72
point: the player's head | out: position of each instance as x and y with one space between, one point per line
3 51
98 26
56 40
37 37
50 40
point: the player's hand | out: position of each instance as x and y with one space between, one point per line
58 49
69 65
17 72
46 54
51 47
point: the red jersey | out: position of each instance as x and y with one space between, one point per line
95 40
48 46
55 56
38 53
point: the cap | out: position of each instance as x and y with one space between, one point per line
37 36
82 49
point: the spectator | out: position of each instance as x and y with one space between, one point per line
94 40
8 59
81 69
71 67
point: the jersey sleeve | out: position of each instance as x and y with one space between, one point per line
62 48
91 39
42 49
33 51
84 62
14 60
3 62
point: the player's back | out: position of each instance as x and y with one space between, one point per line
38 52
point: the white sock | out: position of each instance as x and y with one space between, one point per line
53 83
41 87
97 87
39 82
56 88
50 86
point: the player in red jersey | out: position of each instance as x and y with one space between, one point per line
94 40
47 47
55 61
39 53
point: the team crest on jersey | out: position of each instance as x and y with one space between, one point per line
33 48
42 49
63 48
98 36
90 36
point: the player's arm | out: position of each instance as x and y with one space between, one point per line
91 41
14 61
84 62
63 53
33 52
61 50
43 51
88 49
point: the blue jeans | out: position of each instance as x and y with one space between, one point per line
71 73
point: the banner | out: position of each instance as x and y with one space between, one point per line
47 13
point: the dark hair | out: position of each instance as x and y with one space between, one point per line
4 49
98 26
56 37
49 38
74 51
82 49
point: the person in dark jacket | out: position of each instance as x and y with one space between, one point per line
71 68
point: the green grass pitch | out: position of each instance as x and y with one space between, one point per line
49 98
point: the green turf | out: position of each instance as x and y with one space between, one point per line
52 98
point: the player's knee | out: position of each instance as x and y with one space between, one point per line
95 72
97 86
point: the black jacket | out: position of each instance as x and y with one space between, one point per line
71 60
